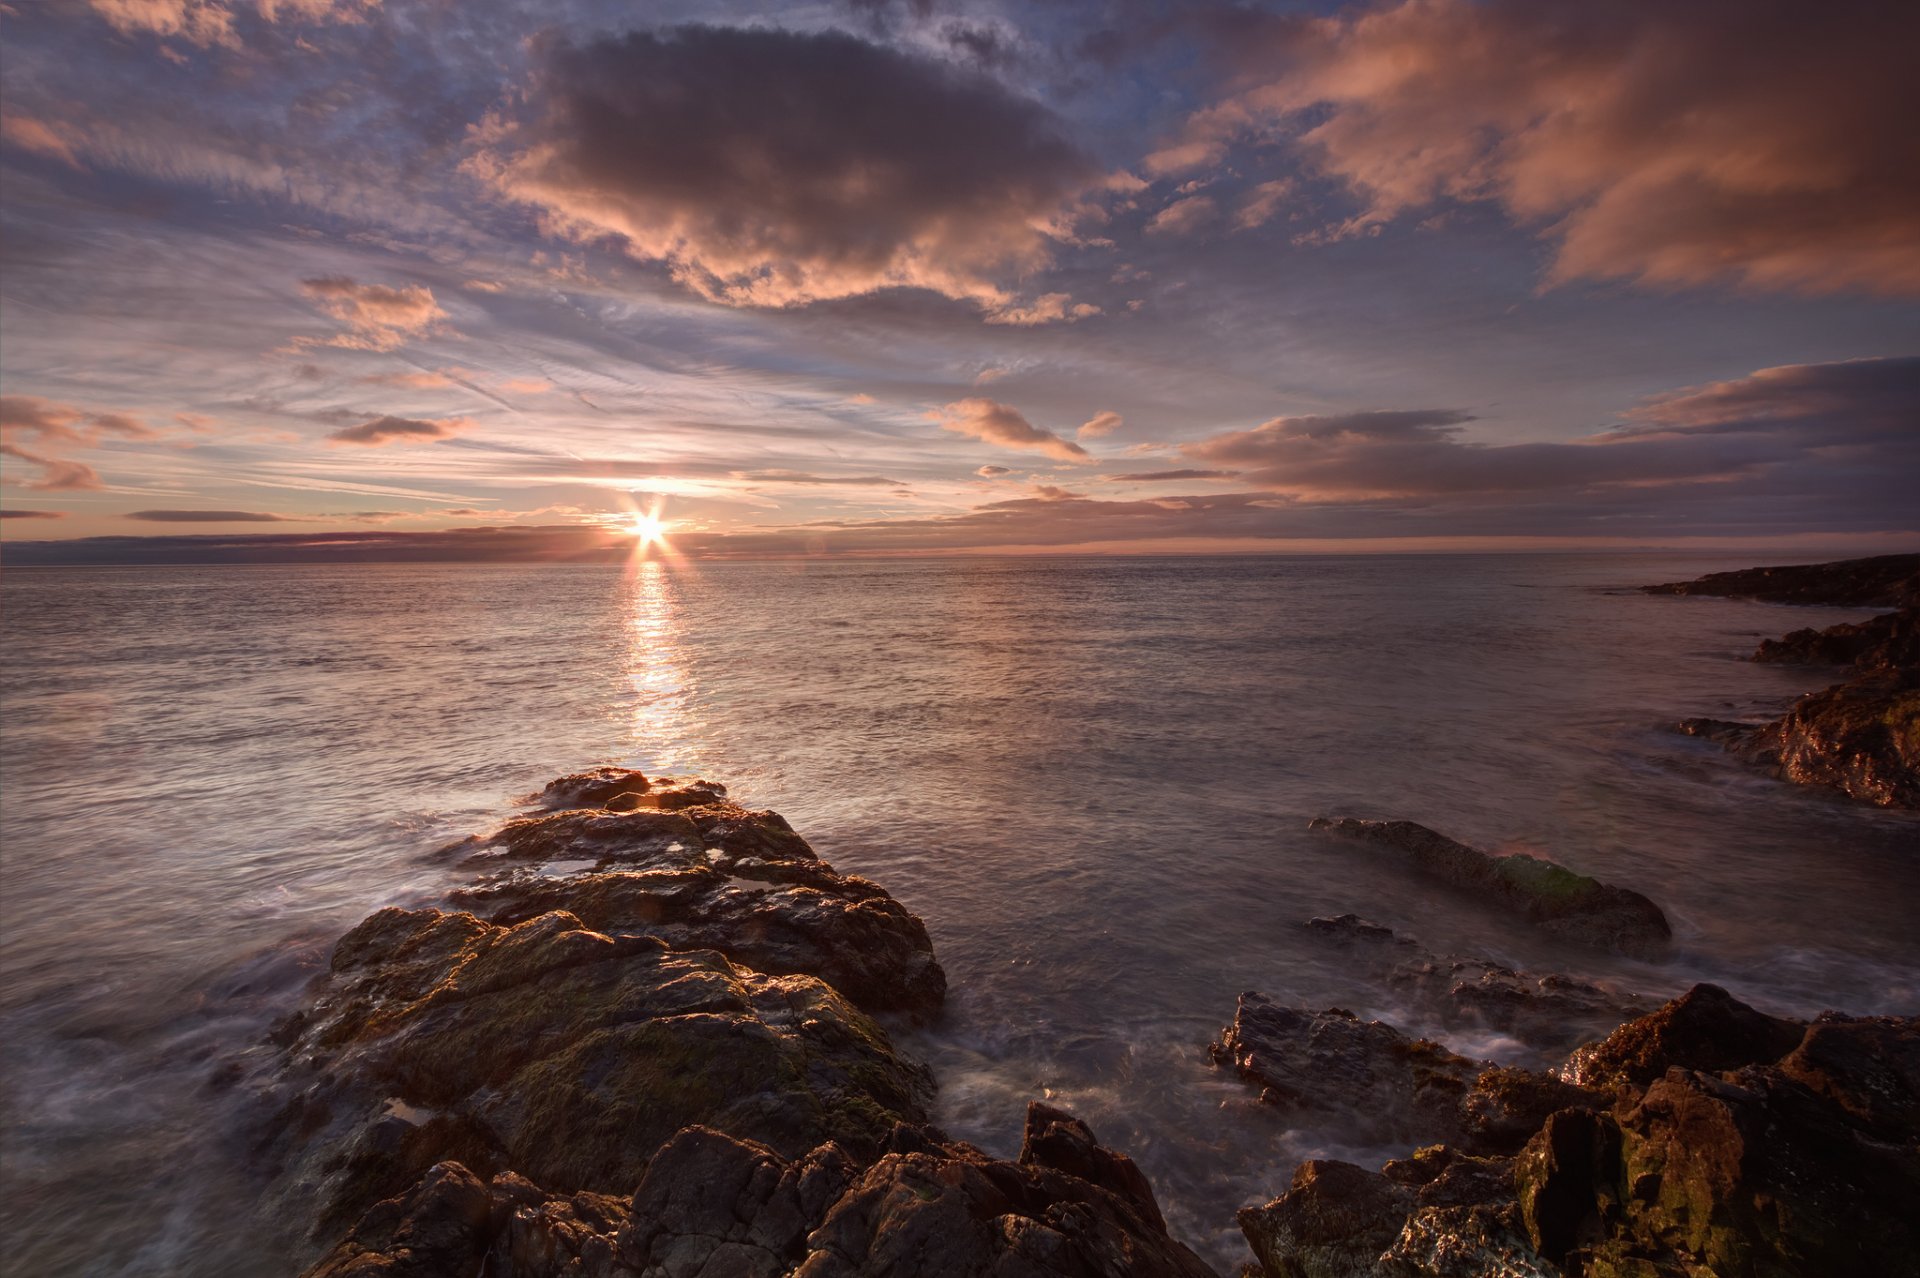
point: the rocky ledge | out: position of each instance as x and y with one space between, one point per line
650 1040
1549 895
1705 1138
1860 737
1884 581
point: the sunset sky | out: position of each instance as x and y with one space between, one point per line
478 278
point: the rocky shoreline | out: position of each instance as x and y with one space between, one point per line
651 1038
1860 736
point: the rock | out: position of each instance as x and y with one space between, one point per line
1883 581
1706 1028
711 1204
592 788
1551 896
566 1055
1056 1139
1890 641
1332 1062
1861 738
846 931
1507 1106
1735 1143
1435 1216
1547 1010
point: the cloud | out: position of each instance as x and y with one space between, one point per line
378 317
209 22
1184 217
1102 423
1167 476
775 168
1048 308
995 423
44 422
207 517
1800 435
993 472
37 137
400 430
1642 137
801 477
33 514
1260 204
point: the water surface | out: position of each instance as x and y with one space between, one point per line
1091 777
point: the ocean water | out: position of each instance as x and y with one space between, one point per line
1091 777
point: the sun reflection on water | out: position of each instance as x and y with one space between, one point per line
666 735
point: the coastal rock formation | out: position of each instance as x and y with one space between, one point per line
1861 737
711 1204
1545 1010
1720 1140
1890 641
643 1045
1374 1080
1549 895
1883 581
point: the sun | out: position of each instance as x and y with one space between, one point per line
646 528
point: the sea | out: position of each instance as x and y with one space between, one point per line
1092 777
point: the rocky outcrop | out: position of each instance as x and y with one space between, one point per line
1861 738
712 1204
642 1043
1368 1079
1884 581
1544 1010
1550 896
1890 641
1715 1140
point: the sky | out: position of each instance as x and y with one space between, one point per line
480 279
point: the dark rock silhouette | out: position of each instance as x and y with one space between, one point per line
1883 581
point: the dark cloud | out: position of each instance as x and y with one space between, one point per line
995 423
773 168
1840 434
1767 142
33 514
1167 476
400 430
207 517
993 472
802 477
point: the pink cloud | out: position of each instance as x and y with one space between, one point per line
992 422
381 431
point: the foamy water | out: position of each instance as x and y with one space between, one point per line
1091 777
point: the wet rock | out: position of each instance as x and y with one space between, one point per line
1438 1215
567 1055
441 1227
1861 738
1508 1105
593 788
1890 641
711 1204
1706 1029
1883 581
846 931
1551 896
1332 1062
1546 1010
1735 1143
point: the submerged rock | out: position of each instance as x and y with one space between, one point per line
1733 1142
1883 581
712 1204
1549 895
1545 1010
